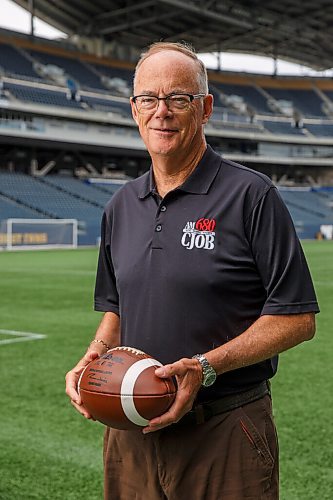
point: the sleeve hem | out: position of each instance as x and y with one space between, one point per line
300 308
103 307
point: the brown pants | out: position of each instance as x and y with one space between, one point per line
232 456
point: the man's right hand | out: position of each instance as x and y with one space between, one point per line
72 379
108 330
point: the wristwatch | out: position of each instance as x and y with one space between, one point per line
208 372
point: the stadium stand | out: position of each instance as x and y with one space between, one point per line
305 101
12 209
85 191
79 71
41 95
281 127
54 202
309 207
328 94
14 62
309 202
108 187
249 94
261 117
320 130
115 72
108 105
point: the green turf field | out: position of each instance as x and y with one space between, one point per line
49 452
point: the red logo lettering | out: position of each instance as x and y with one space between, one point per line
205 224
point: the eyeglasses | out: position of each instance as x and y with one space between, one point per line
175 102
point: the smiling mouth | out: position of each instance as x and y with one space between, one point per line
165 130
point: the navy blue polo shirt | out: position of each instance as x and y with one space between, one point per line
189 272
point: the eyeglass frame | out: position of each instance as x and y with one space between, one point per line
191 96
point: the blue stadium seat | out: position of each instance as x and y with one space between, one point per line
10 209
308 206
73 67
115 72
249 93
107 187
56 198
305 101
320 129
108 105
76 187
15 63
41 95
278 127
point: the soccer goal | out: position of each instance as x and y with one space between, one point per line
29 234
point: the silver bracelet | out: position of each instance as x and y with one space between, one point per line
98 341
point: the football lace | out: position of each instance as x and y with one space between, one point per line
133 350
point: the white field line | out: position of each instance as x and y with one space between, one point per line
20 336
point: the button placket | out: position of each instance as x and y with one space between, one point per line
158 229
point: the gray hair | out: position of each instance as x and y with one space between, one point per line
184 48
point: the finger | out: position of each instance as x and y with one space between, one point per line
90 355
73 376
81 409
182 404
71 388
179 368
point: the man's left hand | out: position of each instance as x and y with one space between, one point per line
188 373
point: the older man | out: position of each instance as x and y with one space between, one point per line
200 267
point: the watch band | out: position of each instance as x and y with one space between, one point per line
208 373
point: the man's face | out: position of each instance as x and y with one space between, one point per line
163 131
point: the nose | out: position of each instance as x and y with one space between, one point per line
162 109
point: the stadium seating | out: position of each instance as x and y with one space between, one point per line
41 95
108 187
52 202
10 209
108 105
82 73
308 205
309 208
329 94
238 126
112 73
245 106
75 187
250 95
234 102
279 127
14 62
56 196
305 101
320 129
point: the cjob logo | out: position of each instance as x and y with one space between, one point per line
199 234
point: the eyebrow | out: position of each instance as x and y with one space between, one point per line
175 91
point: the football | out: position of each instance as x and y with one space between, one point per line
120 389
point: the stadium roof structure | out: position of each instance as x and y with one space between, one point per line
299 31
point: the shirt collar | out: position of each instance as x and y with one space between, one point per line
198 182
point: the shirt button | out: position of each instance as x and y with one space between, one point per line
163 208
158 228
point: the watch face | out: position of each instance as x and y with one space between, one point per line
209 379
209 374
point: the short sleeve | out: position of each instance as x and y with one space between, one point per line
106 294
279 257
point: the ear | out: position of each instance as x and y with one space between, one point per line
208 102
134 111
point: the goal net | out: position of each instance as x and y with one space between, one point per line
27 234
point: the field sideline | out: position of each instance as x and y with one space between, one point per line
48 452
